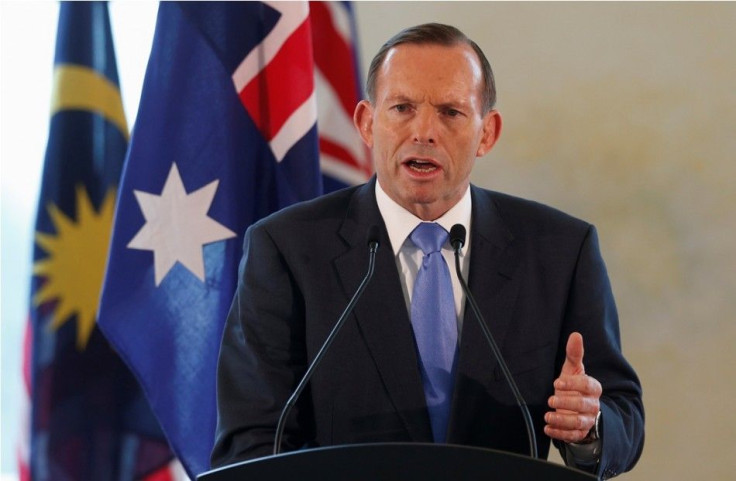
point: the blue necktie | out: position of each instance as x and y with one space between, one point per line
434 321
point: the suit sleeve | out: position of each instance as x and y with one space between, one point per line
262 357
591 310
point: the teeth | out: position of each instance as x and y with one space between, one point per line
420 166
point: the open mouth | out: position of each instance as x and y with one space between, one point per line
422 166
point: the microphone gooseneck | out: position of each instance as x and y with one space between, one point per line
457 241
373 243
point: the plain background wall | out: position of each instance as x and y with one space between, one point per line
623 114
619 113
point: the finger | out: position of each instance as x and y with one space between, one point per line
574 404
565 435
585 385
574 355
581 423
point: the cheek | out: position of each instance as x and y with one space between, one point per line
385 142
381 157
463 169
464 152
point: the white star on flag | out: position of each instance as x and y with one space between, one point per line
177 226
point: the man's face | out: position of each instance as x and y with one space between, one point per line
426 125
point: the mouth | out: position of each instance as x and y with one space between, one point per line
421 166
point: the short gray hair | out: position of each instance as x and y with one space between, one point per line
434 34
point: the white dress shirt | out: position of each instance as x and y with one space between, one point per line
400 223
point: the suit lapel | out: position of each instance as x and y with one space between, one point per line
492 263
381 313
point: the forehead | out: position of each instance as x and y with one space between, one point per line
430 66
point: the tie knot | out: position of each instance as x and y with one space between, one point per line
429 236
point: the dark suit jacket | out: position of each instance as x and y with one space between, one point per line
537 276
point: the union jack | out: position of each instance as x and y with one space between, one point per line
342 154
284 110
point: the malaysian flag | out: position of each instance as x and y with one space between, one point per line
226 133
88 417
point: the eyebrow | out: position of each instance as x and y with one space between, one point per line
398 97
460 105
451 103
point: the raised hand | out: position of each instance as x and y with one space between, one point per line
576 401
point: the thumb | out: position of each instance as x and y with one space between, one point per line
574 355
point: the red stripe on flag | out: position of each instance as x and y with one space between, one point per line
162 474
271 97
24 470
333 56
339 152
24 449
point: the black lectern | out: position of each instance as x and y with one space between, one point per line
396 461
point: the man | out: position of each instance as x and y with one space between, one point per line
537 274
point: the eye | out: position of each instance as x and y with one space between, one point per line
452 112
401 108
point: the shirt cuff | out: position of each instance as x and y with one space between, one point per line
584 456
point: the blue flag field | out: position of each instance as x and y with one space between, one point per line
226 134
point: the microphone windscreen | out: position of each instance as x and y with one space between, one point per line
457 235
373 236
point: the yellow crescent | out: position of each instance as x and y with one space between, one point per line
81 88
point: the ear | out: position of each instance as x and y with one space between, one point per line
491 132
363 121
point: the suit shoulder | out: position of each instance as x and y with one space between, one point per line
528 215
325 206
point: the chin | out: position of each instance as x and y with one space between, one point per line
422 196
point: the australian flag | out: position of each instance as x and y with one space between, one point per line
88 416
226 133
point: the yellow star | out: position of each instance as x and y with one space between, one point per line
75 266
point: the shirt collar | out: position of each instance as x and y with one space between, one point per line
400 222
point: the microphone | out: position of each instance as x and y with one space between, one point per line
373 243
457 241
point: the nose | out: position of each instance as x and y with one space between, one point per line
425 128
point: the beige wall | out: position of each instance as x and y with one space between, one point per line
623 114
